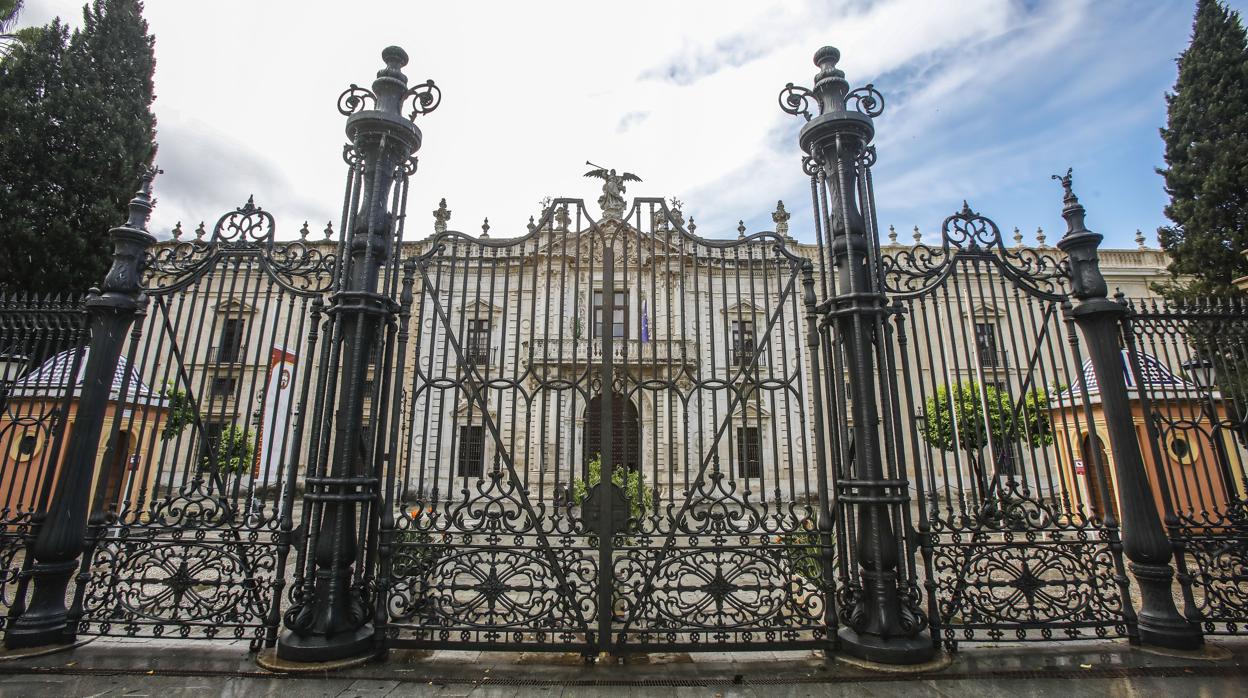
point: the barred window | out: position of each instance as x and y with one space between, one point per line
749 452
471 459
477 346
231 347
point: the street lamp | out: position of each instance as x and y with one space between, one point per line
1201 371
1204 374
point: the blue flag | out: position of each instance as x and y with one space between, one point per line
645 322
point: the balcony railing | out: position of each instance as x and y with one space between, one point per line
998 358
478 355
624 351
743 354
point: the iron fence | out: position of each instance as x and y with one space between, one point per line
507 534
191 511
1015 507
43 340
1189 382
609 433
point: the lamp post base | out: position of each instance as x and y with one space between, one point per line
1159 621
893 650
325 648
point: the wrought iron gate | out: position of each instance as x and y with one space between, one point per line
34 414
191 515
1015 513
693 356
1187 361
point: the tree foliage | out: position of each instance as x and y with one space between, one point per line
968 414
79 131
1206 139
235 451
640 498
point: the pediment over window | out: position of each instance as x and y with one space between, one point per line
233 306
745 310
751 412
480 307
469 411
983 309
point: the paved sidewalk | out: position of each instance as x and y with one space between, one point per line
171 668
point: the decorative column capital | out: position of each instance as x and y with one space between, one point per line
123 282
1080 245
842 111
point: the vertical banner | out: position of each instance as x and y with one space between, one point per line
275 416
645 322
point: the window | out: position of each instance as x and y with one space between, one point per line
224 386
212 436
26 447
477 346
986 344
619 318
471 459
744 346
231 347
749 452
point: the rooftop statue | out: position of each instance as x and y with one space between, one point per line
613 188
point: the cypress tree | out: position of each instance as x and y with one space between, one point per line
80 133
1206 173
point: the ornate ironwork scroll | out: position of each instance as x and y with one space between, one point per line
1189 372
532 366
42 345
191 520
1016 508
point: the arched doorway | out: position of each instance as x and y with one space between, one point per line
115 475
1096 467
625 431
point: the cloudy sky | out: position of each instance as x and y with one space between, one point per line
985 99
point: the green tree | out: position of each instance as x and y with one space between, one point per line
9 11
79 132
640 497
968 416
235 452
1206 173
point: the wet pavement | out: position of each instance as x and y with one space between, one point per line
165 668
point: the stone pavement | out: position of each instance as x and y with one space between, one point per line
164 668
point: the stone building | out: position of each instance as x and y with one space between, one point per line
501 362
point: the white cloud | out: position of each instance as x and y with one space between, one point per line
682 93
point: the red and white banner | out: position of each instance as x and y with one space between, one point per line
275 417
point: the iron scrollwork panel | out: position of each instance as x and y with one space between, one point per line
1015 505
722 549
190 527
42 346
1189 362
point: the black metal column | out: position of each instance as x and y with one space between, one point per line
1143 539
606 487
879 625
333 621
60 532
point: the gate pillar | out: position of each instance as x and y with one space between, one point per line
1143 539
329 619
61 531
880 621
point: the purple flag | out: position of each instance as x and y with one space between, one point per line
645 322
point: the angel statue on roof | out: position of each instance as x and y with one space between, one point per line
613 188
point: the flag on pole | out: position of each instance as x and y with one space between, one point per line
274 416
645 322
